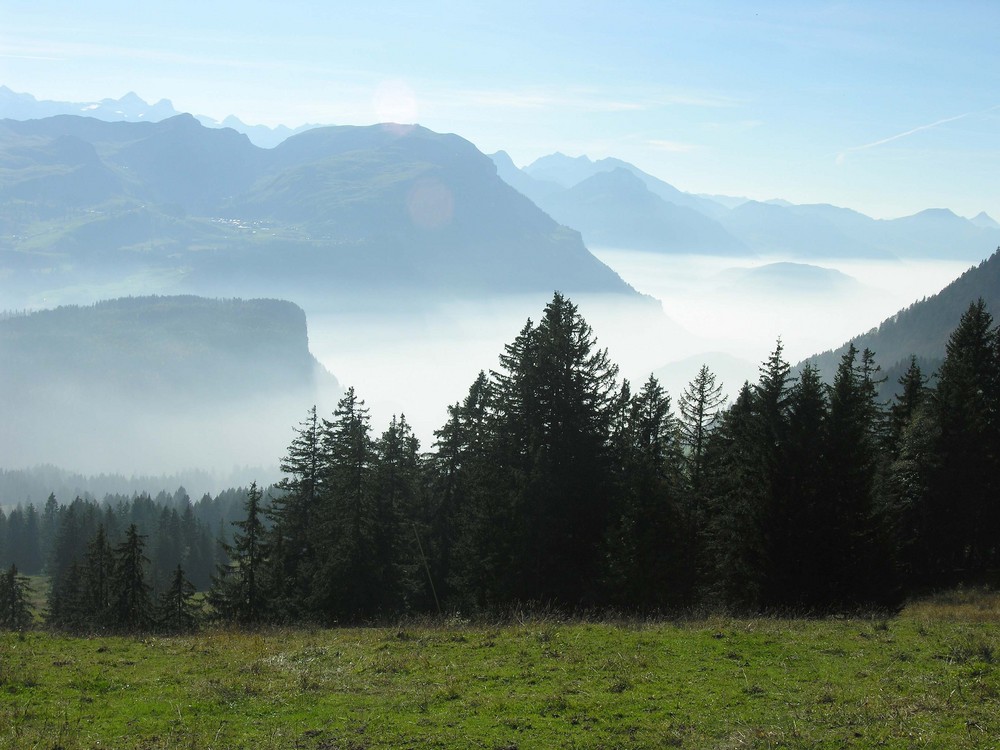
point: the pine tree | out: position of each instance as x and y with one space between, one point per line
699 406
177 611
132 607
798 548
15 610
238 592
49 529
293 512
471 527
739 491
396 496
858 569
344 578
98 583
913 393
652 554
554 409
966 512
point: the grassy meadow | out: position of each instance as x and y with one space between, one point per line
929 677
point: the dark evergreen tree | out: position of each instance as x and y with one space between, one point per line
397 502
30 551
238 592
66 604
131 602
913 393
49 529
554 408
472 525
293 513
798 548
177 611
167 548
858 563
906 502
652 553
344 582
964 527
699 406
98 584
15 608
739 506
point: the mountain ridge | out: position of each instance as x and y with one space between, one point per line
197 210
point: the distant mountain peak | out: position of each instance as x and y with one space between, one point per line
983 219
940 214
131 108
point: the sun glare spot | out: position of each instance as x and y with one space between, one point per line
395 102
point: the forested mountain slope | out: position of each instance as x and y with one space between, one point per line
163 381
923 328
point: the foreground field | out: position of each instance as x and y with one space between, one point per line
927 678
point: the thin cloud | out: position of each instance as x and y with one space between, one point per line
674 147
842 156
536 99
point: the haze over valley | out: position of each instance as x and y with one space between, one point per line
415 259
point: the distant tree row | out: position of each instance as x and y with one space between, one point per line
174 545
554 483
178 530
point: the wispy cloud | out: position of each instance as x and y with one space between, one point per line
539 99
674 147
842 156
580 99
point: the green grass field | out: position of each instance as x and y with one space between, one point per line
929 677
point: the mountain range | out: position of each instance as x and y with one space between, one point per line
380 212
615 204
598 199
132 108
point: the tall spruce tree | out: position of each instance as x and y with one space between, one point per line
472 526
699 406
132 606
966 509
238 592
858 567
798 548
554 411
98 583
177 611
15 608
652 555
293 513
344 581
739 506
397 506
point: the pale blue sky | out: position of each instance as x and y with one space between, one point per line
885 107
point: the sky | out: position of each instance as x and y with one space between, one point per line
885 107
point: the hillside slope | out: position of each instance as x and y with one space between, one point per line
156 383
923 328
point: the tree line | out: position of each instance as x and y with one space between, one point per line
554 483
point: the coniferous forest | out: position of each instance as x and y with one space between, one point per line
553 483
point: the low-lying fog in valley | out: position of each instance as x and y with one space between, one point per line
416 359
710 313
